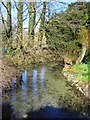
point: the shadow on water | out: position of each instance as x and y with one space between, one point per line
38 97
52 112
8 111
46 112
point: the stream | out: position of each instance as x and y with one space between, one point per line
43 93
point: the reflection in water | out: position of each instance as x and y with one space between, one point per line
34 83
24 92
13 98
24 80
35 90
42 82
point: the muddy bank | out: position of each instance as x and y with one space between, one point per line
80 85
7 72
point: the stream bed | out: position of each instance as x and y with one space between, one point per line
43 93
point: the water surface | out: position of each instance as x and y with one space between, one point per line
44 93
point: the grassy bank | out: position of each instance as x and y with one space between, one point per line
81 72
78 75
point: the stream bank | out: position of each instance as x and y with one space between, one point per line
80 85
7 72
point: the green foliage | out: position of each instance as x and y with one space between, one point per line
80 67
87 57
88 18
63 32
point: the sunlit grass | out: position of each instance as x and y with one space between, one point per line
81 71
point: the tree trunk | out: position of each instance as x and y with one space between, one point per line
20 21
42 24
3 27
82 54
32 15
9 20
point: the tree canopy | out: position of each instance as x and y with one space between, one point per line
68 30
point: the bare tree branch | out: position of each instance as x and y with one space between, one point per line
3 21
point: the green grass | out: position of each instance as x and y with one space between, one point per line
81 71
